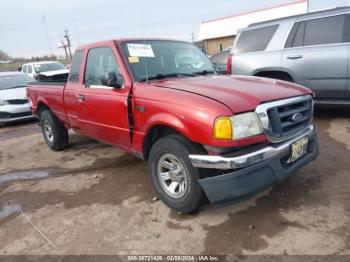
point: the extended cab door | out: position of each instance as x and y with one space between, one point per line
316 55
73 87
103 110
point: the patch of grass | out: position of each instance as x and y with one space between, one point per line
10 67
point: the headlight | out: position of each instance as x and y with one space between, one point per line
246 125
3 102
238 126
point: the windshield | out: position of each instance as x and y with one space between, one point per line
14 81
39 68
165 58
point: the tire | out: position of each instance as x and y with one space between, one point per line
54 132
187 196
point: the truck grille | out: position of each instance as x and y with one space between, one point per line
17 101
6 115
284 118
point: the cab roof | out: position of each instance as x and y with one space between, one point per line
121 40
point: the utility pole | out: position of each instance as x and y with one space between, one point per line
69 44
192 37
65 48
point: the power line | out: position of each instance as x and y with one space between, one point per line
47 33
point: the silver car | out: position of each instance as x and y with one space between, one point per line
13 101
311 49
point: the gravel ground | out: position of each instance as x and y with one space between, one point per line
95 199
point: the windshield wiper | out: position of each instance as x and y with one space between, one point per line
204 72
162 76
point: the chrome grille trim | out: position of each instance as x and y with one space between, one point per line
269 113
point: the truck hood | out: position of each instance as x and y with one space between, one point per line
239 93
54 72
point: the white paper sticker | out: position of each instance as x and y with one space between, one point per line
140 50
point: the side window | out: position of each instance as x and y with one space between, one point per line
100 61
255 39
75 69
299 37
322 31
291 36
30 70
24 69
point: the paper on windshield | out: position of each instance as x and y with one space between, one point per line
140 50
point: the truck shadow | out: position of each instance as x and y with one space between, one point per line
331 112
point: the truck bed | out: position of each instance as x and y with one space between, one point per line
48 93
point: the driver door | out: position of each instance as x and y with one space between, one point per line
103 112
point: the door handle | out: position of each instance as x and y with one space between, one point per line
294 57
81 98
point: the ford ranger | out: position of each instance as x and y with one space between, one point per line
205 136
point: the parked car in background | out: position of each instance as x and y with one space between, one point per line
48 70
204 136
13 101
219 60
310 49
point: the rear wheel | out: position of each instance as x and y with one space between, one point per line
55 133
173 177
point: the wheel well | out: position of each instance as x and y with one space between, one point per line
156 133
42 107
276 75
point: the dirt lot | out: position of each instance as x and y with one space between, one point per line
95 199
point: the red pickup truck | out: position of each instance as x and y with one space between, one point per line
205 136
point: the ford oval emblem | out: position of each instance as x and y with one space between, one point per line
296 117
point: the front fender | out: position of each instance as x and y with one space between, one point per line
171 121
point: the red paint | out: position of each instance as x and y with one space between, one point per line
188 105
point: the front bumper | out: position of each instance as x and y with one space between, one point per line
255 171
15 113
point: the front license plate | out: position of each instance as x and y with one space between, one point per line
299 149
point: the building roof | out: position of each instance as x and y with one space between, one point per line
229 25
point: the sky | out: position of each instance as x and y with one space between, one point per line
22 22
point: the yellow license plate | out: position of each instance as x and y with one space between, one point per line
299 148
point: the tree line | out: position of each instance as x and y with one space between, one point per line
5 57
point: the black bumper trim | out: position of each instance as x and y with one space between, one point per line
242 184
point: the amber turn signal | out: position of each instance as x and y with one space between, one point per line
222 128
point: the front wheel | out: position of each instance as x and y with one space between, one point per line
173 177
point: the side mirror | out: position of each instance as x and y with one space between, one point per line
111 79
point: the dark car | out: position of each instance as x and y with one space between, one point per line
220 61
